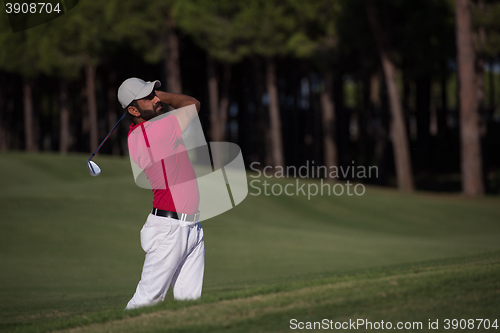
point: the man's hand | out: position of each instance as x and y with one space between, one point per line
185 114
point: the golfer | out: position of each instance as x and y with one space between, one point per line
172 236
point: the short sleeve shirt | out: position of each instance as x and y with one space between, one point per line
157 147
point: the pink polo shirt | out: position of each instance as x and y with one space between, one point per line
157 147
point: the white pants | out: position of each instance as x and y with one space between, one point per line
175 254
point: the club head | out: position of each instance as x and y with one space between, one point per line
93 168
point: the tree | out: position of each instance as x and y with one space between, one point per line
22 60
172 64
399 136
151 29
270 25
4 129
216 28
471 163
316 40
82 41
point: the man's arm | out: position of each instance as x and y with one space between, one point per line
177 101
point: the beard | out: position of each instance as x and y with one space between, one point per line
148 114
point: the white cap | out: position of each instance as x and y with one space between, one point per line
134 88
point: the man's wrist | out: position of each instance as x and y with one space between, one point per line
164 97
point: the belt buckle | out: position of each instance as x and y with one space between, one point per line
184 217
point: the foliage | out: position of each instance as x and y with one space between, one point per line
216 26
487 17
18 51
232 30
421 33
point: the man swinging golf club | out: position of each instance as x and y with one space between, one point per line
172 236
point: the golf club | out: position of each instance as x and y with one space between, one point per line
91 165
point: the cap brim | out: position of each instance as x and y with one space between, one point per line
148 88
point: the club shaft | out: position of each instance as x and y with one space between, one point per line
107 136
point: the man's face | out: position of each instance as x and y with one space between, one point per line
150 106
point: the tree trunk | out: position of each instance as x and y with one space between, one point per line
4 126
213 96
399 136
491 75
481 41
29 122
90 72
218 108
172 64
112 110
315 107
423 104
263 149
64 132
328 122
375 89
471 163
224 100
274 114
443 114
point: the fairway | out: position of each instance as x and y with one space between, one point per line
69 244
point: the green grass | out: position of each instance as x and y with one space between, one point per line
70 253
